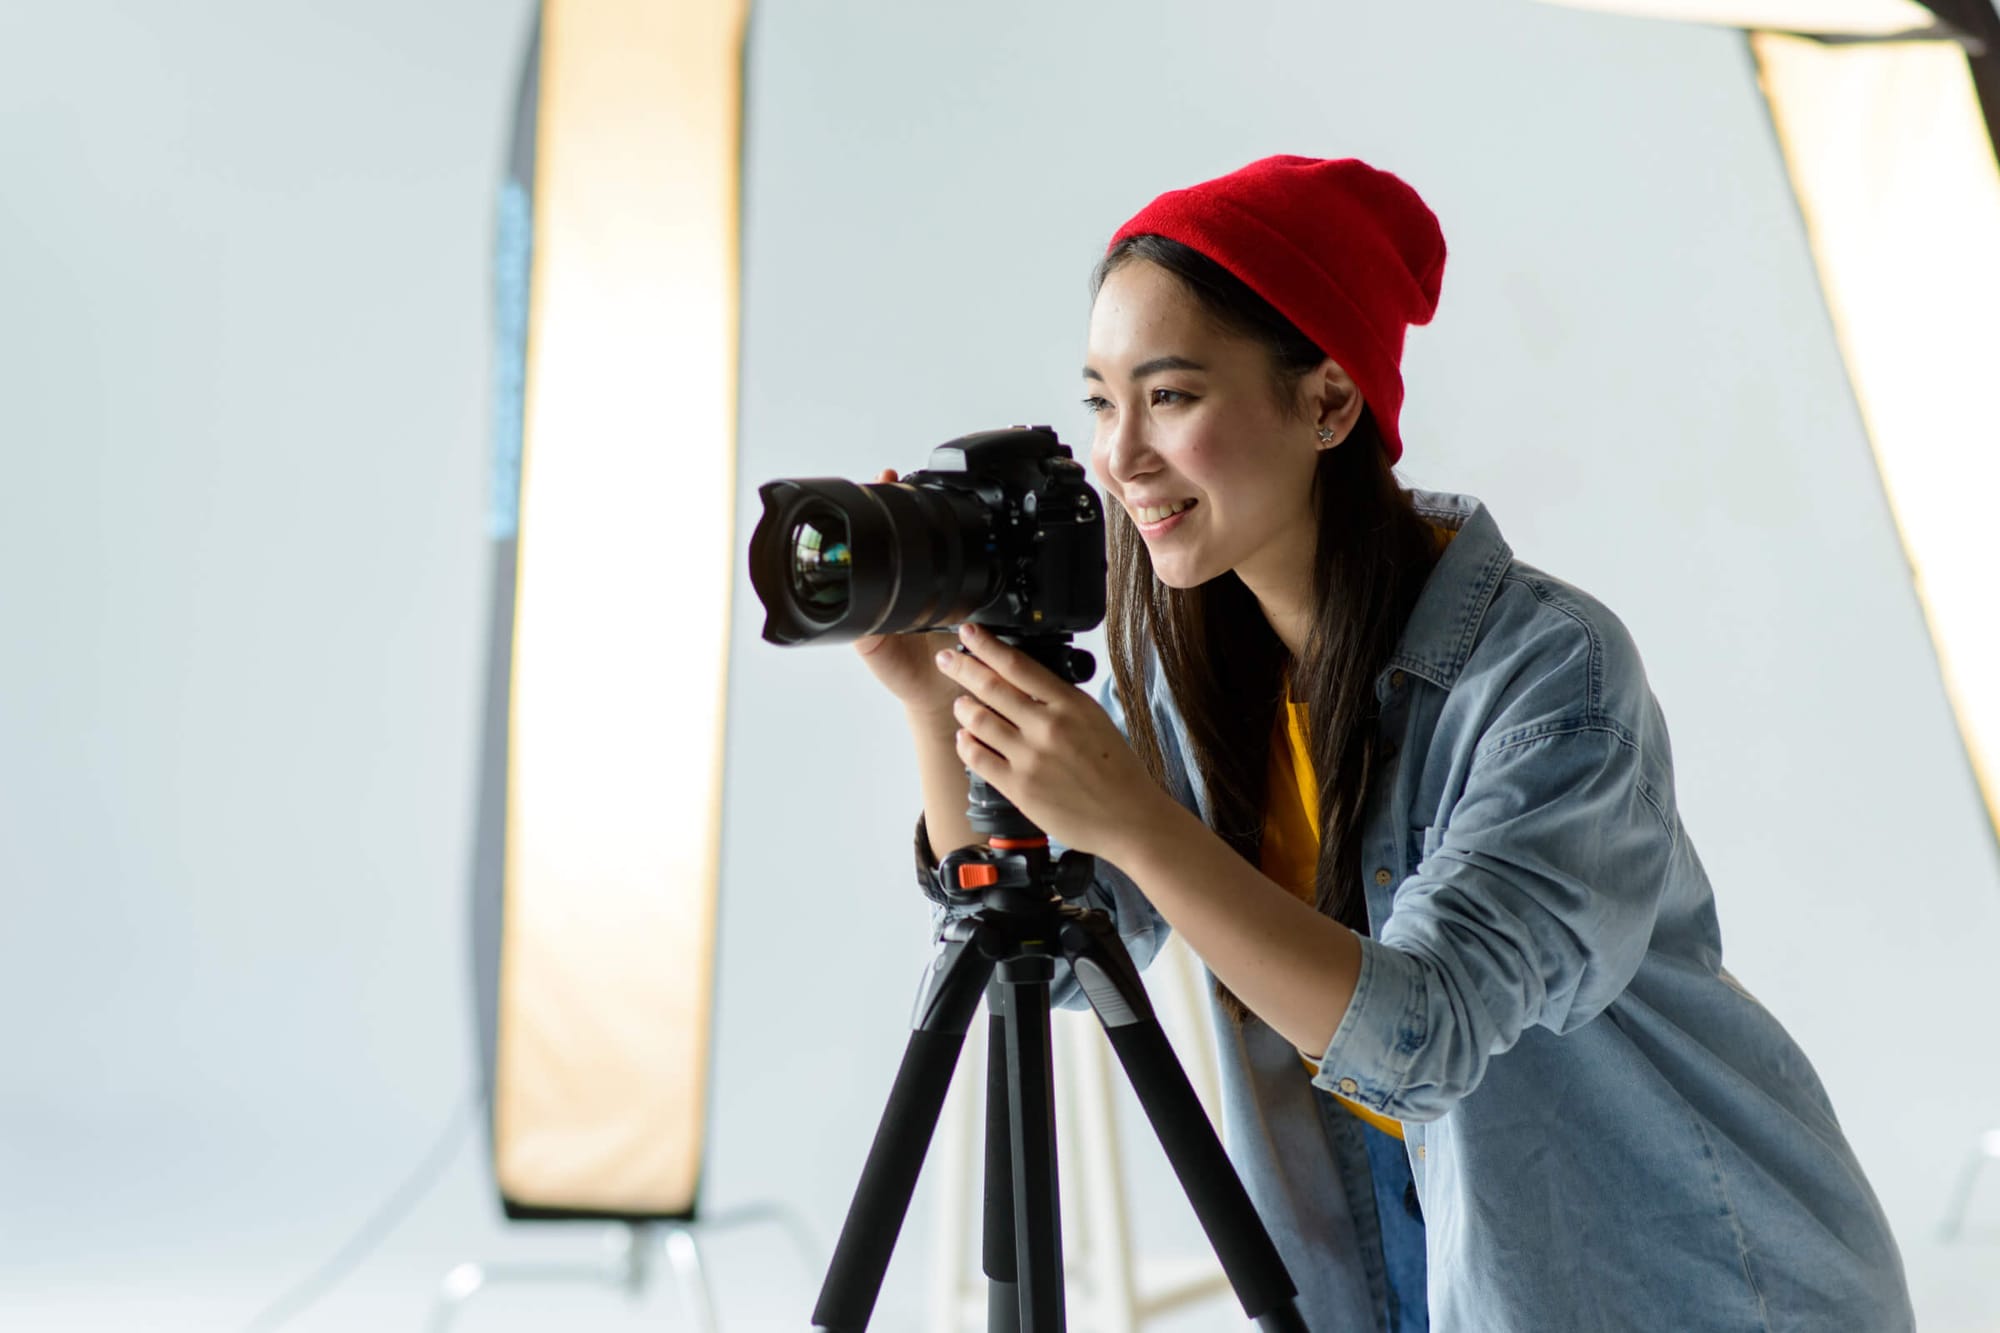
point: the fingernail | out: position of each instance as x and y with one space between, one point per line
944 658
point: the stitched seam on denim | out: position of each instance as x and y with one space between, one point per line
1471 615
1410 1036
1735 1222
1542 731
1660 813
1594 665
1416 666
1478 598
1446 510
1364 985
1552 727
1413 1032
1399 1053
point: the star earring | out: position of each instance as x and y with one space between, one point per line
1326 435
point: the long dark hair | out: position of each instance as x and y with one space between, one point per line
1220 658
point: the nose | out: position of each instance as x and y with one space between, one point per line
1121 453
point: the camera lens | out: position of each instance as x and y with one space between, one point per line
821 565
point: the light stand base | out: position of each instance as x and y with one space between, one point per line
630 1262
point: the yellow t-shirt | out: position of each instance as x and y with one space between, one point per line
1291 843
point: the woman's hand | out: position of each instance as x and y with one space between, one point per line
1047 747
906 663
1057 756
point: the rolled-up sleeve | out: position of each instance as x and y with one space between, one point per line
1536 907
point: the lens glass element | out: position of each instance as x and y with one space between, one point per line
820 565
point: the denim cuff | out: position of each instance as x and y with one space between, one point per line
1368 1061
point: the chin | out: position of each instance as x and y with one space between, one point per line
1179 574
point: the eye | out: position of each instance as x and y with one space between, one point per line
1168 397
1094 405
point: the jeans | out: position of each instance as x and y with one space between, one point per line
1402 1225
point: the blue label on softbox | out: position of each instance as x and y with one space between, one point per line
512 249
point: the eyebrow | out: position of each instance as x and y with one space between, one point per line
1153 367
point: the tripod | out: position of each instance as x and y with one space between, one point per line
1007 950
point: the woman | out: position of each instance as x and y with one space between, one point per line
1411 801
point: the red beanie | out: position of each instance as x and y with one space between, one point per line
1347 253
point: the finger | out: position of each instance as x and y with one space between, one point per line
1028 677
975 676
988 727
981 758
887 474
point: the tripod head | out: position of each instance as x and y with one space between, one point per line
1014 872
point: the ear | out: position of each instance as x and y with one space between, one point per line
1334 401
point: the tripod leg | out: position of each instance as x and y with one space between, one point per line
1031 1113
1003 1288
1251 1262
867 1238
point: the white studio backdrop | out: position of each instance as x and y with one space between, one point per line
243 416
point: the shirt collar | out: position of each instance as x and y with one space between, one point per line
1439 635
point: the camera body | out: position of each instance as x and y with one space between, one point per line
1002 529
1047 527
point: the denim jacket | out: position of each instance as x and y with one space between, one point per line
1607 1131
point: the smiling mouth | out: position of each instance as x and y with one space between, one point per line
1149 515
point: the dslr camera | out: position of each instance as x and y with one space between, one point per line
1002 529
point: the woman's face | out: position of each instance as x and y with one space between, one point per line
1190 440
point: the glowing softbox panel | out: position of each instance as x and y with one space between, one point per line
614 484
1895 174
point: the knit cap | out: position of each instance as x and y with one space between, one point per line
1348 253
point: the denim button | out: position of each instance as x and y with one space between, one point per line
1396 680
1383 877
1348 1087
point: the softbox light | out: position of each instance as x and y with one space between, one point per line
613 490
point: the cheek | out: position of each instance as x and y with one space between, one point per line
1201 460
